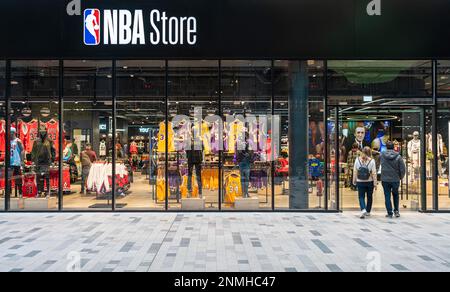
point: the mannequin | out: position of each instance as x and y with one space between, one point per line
195 159
414 155
440 142
42 155
440 149
17 159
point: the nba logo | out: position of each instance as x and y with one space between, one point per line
91 27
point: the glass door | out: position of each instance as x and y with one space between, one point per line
372 128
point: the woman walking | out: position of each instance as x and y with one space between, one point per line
365 178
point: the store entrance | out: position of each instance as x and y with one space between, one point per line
373 127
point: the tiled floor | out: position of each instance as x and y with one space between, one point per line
223 242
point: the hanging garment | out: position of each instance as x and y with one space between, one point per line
32 135
16 153
184 187
29 185
102 149
161 190
233 188
133 148
2 140
53 133
162 138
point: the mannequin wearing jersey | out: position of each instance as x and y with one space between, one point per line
16 160
414 148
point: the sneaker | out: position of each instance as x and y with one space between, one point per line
363 214
367 214
390 216
397 214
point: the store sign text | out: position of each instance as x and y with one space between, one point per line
125 27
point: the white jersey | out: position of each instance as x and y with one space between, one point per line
102 149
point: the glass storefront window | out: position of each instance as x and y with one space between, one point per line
264 122
141 110
443 127
193 135
87 149
300 167
250 135
379 83
34 115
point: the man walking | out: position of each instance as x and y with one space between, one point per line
393 170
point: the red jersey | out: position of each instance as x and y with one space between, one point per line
29 186
66 180
2 140
133 148
54 179
32 135
23 132
53 133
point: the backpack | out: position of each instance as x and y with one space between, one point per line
364 171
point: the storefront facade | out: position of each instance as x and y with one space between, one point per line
144 105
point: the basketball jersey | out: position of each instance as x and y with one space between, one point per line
53 133
16 158
236 129
23 133
215 145
54 179
102 149
162 138
233 188
161 190
133 148
183 135
33 133
29 186
66 179
206 137
2 140
184 189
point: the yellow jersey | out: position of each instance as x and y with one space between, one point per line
184 189
161 190
236 129
233 188
162 138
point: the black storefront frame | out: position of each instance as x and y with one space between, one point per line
327 108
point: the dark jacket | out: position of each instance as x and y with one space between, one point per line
245 157
43 152
393 168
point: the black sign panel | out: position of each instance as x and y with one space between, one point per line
322 29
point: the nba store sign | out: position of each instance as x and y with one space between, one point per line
125 27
